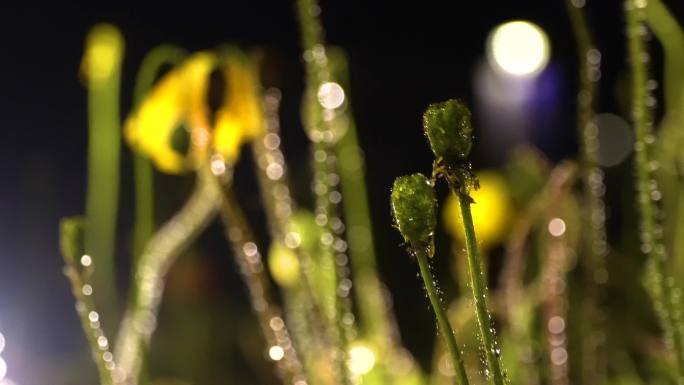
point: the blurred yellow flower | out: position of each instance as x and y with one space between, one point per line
179 101
491 210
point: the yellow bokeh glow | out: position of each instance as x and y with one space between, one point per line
283 265
491 210
518 48
361 359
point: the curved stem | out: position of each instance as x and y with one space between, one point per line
442 319
160 253
478 284
152 63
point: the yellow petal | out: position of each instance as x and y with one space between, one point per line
150 129
239 119
228 136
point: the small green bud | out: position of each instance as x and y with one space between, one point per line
71 235
413 207
448 129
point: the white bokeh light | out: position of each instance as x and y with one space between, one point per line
331 95
518 48
276 353
361 359
3 369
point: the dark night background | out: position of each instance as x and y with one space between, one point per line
402 55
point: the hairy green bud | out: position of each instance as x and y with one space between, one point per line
413 207
448 128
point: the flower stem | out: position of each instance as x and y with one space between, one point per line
322 132
78 269
478 284
595 247
160 253
447 332
152 63
661 285
103 77
269 315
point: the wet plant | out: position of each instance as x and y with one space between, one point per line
533 263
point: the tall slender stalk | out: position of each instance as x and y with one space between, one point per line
595 247
269 315
413 208
448 128
660 283
152 63
442 320
102 72
319 122
478 284
670 172
148 280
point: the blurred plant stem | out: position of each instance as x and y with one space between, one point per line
518 302
421 252
660 283
377 322
478 285
594 246
671 132
320 126
160 253
280 207
268 314
101 70
79 269
155 60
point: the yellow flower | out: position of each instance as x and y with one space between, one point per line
491 210
179 102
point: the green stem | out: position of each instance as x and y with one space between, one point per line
442 320
279 205
671 36
268 314
670 133
152 63
78 271
661 284
595 246
478 284
160 253
322 132
104 143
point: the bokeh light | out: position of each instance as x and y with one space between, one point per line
361 359
491 211
518 48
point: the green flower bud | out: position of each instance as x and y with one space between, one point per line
413 207
448 129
